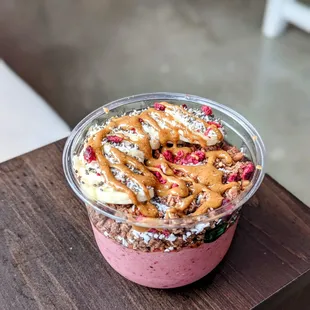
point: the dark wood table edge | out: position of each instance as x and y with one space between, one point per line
289 292
288 295
296 199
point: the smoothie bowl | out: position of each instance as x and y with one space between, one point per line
163 177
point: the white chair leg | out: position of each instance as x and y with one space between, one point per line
274 20
298 14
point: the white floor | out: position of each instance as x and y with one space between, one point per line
27 122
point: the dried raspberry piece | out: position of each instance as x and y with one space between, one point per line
98 174
233 177
159 177
188 159
200 155
89 154
206 110
185 160
215 123
208 131
247 171
166 232
115 139
184 106
141 120
193 158
153 230
178 157
174 185
158 106
168 156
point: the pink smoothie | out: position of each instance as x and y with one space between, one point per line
165 269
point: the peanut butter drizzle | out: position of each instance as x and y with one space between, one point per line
197 179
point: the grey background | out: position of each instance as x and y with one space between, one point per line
81 54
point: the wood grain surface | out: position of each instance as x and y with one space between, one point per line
49 259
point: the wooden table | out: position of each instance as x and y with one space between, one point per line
49 259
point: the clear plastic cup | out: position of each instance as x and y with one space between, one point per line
210 234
